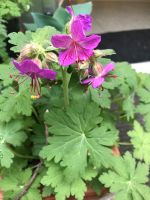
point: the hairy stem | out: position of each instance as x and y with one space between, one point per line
46 134
36 115
65 87
30 182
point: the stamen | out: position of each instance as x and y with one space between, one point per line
35 86
113 76
35 97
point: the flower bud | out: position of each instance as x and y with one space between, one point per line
68 27
51 57
37 62
97 68
98 53
84 65
30 51
84 73
105 52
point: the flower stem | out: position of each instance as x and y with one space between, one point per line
125 143
65 87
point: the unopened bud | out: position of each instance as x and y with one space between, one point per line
51 57
97 68
83 65
68 27
37 62
105 52
30 51
84 73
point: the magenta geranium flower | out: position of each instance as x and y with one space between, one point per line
86 20
31 68
76 46
98 80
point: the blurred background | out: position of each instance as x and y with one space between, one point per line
123 24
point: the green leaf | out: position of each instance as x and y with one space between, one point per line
47 191
15 178
3 36
141 142
78 129
5 156
84 8
127 179
61 15
63 189
6 70
76 89
147 122
19 40
43 20
13 103
101 97
38 139
33 194
129 107
30 26
42 36
126 81
143 92
10 133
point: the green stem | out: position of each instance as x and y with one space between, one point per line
36 115
20 155
65 87
125 143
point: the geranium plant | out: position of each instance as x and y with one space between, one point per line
61 104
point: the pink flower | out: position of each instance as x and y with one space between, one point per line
86 20
98 80
76 46
31 68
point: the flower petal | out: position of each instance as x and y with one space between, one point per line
89 80
47 73
83 54
90 42
70 10
27 66
19 67
77 31
86 21
98 81
61 41
109 67
68 56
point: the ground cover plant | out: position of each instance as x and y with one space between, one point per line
60 103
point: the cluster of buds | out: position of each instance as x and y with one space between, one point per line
93 72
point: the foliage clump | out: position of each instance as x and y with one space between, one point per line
58 124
